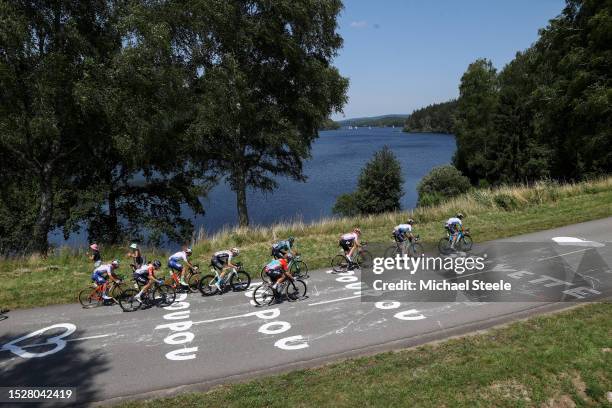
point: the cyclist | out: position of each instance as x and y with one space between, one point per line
136 255
174 263
222 261
349 242
103 272
278 270
95 255
283 249
454 225
146 276
402 232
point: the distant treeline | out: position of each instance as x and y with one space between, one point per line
548 113
436 118
375 121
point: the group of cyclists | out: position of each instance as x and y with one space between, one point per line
277 269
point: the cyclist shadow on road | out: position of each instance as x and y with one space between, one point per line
41 361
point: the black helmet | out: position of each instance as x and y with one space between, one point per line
291 240
157 264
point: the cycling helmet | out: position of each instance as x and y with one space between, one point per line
410 221
235 251
134 246
459 215
291 240
188 250
357 231
94 247
115 263
156 264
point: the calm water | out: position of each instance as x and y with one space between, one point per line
337 158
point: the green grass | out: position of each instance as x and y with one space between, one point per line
33 281
560 360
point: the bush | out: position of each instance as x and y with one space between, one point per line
506 202
379 187
443 182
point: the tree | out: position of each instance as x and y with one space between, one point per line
44 47
435 118
441 183
268 90
379 188
474 116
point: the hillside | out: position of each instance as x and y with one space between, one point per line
436 118
375 121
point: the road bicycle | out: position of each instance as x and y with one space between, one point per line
411 248
3 315
297 267
363 259
293 288
159 294
236 278
464 242
192 277
91 296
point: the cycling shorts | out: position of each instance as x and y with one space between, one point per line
399 236
346 244
274 274
142 279
173 264
98 278
217 263
278 253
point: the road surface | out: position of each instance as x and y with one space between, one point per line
109 356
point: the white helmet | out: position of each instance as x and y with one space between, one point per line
134 246
235 251
188 250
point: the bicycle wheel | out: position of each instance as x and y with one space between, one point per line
299 269
444 246
128 302
264 295
88 298
392 251
240 281
466 243
194 281
296 289
416 250
339 263
207 285
264 276
164 295
364 259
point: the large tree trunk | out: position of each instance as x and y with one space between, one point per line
241 200
42 226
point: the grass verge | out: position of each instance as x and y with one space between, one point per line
560 360
33 281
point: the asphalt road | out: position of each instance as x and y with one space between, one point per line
108 355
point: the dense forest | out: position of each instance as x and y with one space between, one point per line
375 121
436 118
117 116
548 113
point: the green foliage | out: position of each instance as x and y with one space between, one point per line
375 121
441 183
329 124
435 118
547 113
379 188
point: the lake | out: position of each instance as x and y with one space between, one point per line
337 158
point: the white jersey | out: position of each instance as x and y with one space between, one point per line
453 220
226 256
143 270
351 236
107 268
179 256
403 228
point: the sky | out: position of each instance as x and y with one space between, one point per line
403 55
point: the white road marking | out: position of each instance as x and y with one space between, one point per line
334 300
567 253
67 341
